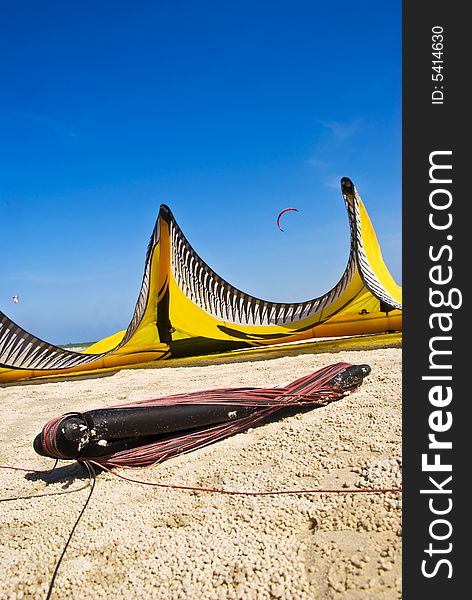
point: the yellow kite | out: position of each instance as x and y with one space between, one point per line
184 308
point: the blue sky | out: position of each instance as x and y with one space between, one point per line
226 111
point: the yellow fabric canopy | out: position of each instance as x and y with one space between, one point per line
184 308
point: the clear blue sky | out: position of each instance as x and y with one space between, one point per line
226 111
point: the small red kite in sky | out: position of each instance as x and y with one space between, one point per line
281 213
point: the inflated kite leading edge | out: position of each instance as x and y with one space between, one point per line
184 308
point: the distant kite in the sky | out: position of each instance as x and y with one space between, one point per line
281 213
16 299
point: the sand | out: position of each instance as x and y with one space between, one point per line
141 542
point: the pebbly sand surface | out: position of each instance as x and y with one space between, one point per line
143 542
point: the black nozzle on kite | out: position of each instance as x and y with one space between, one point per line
347 187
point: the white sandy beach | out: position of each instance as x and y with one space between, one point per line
141 542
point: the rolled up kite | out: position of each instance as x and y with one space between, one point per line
151 431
